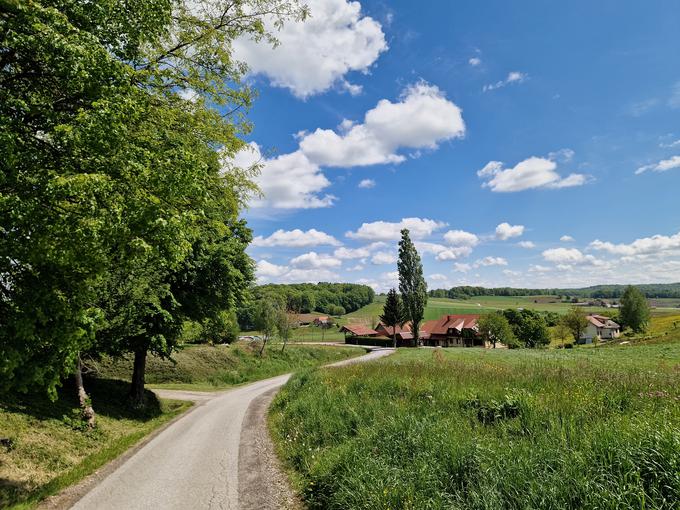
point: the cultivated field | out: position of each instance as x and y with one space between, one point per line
436 307
473 428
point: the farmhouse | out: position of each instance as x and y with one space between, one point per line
452 331
600 327
303 319
358 330
322 321
404 334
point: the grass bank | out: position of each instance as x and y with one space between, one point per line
46 451
204 367
468 428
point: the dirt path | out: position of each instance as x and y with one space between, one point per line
198 461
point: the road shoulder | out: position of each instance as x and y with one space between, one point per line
263 484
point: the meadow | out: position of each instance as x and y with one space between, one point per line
487 429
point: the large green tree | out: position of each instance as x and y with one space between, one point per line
575 319
411 283
634 312
393 313
528 326
495 328
116 192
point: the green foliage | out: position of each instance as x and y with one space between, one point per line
634 312
487 429
494 327
267 318
222 329
575 319
529 327
562 335
411 283
393 312
118 202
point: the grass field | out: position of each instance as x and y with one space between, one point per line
208 368
492 429
436 307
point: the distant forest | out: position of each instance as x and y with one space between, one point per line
331 298
650 290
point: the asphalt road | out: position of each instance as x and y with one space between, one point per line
194 462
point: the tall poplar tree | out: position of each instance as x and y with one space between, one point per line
411 283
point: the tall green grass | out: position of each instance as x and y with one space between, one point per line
488 430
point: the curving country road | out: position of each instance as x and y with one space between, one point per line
194 463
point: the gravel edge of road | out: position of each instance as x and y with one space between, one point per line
263 484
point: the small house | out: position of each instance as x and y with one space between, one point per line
600 327
358 330
322 321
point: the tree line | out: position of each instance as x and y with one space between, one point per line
119 205
329 298
654 290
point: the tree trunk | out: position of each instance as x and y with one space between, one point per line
394 336
137 386
83 398
264 342
284 346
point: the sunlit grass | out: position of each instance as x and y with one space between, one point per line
473 428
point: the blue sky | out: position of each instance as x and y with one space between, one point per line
533 145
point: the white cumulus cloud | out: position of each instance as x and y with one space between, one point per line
367 184
296 238
390 231
444 252
662 166
527 244
422 118
567 239
313 260
531 173
289 181
317 54
654 245
506 231
461 238
383 257
566 257
490 261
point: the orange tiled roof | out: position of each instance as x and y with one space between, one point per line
442 325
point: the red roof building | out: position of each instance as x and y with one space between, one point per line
403 332
452 331
358 330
